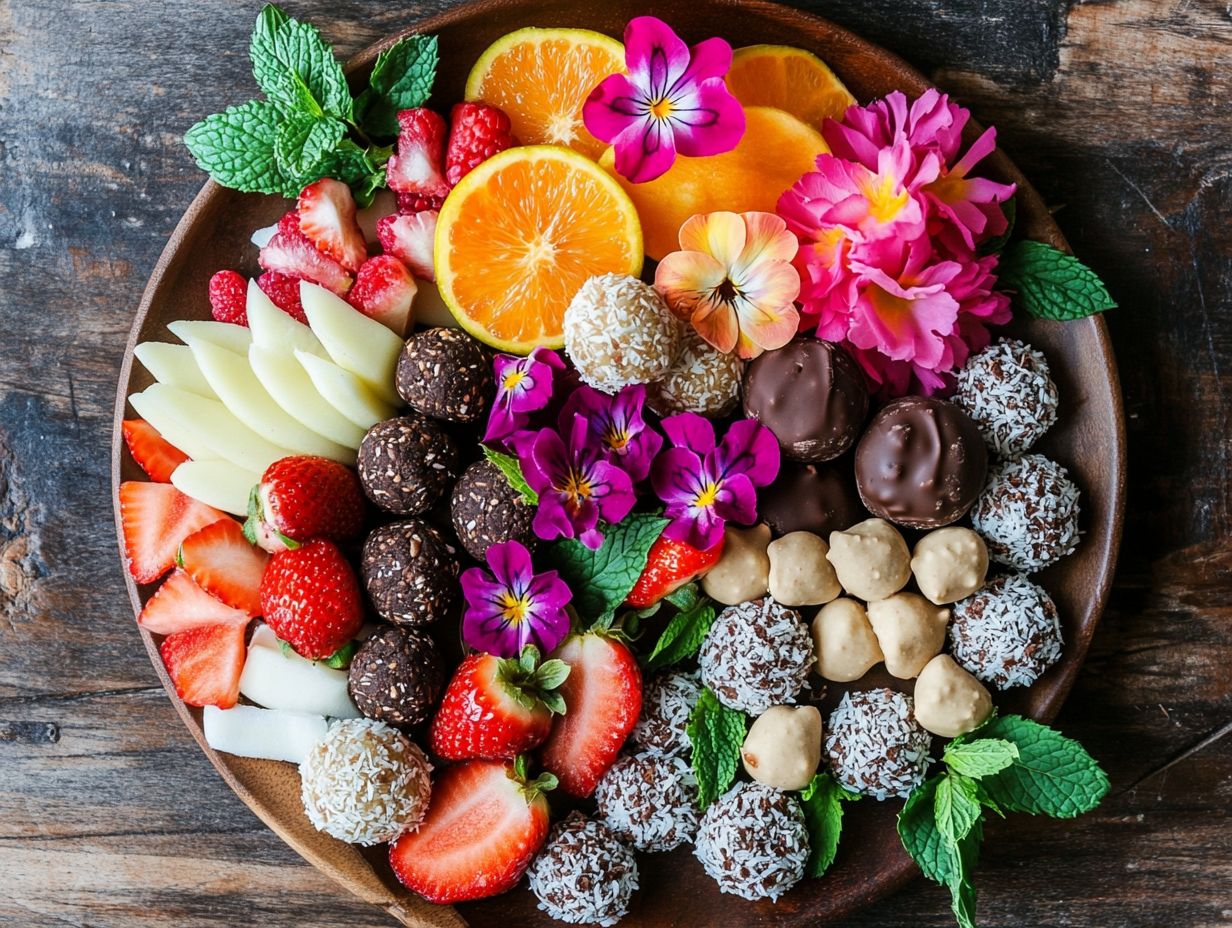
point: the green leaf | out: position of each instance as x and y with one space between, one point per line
1051 284
980 758
956 806
509 466
822 802
236 147
994 245
295 68
1053 775
402 79
949 862
684 634
685 597
716 734
601 580
341 659
304 149
962 887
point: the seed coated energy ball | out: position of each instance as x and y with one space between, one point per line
753 842
1008 391
1028 513
584 875
486 510
874 745
649 800
1008 633
396 676
446 374
703 380
410 572
666 705
406 464
756 655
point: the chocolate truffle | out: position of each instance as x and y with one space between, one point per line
666 705
753 842
817 498
411 573
1008 633
649 800
1028 513
406 464
874 745
756 655
811 395
1008 391
446 374
486 510
396 676
921 463
583 875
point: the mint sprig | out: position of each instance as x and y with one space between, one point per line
1052 775
822 803
236 147
716 734
601 580
401 79
684 634
1050 284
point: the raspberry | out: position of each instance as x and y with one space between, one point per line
229 297
478 132
283 291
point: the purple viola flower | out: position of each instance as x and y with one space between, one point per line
616 423
673 99
706 485
523 385
511 606
576 485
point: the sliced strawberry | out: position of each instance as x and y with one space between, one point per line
669 566
385 291
327 219
411 239
283 291
205 664
221 560
155 518
303 497
484 825
229 297
292 253
417 167
477 131
153 453
180 604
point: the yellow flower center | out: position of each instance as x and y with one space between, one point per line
707 496
616 439
577 488
514 609
513 378
661 109
883 203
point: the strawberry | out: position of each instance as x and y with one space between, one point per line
155 455
155 518
180 604
327 219
411 203
205 664
497 707
669 566
223 563
229 297
478 132
310 599
484 824
603 695
411 239
292 253
385 291
283 291
415 168
301 498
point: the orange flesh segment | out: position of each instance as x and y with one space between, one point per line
789 79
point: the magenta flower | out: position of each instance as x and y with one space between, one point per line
523 385
673 99
617 424
511 606
706 485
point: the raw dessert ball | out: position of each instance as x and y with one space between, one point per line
844 641
910 631
1008 633
365 782
1008 391
753 842
743 570
811 395
446 374
817 498
583 875
875 746
756 655
949 564
666 705
618 331
407 464
703 380
1028 513
783 747
870 559
949 701
410 572
396 676
649 800
486 510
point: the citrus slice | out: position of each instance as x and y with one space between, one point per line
789 79
519 236
541 78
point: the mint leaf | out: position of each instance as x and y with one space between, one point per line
942 859
402 79
980 758
236 147
964 858
304 148
601 580
822 802
956 806
295 68
684 633
994 245
341 659
512 469
1051 284
1053 775
716 734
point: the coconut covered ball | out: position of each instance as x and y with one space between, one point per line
1008 633
365 782
666 704
874 745
1028 513
649 800
1008 391
756 655
583 875
703 380
753 842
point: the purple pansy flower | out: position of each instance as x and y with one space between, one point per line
705 485
617 424
523 385
673 99
511 606
576 485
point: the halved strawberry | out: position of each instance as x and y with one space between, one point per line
603 698
327 219
418 166
153 453
410 239
484 825
180 604
155 518
205 664
223 563
669 566
293 253
385 291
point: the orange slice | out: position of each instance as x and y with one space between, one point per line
541 78
789 79
519 236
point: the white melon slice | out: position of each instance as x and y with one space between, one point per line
216 483
277 678
355 343
430 309
155 410
227 335
270 734
285 379
272 328
175 366
345 392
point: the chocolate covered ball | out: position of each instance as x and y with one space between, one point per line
584 875
817 498
486 510
396 676
921 463
406 464
411 573
446 374
811 395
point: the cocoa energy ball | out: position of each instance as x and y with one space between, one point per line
410 572
649 800
1008 633
753 841
396 676
756 655
583 875
406 464
485 510
817 498
1007 390
875 746
666 705
1028 513
446 374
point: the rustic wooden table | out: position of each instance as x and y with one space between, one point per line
1120 111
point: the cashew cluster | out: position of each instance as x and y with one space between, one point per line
783 747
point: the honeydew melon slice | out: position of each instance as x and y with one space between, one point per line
175 366
227 335
155 411
272 328
216 483
285 379
270 734
356 343
345 392
278 678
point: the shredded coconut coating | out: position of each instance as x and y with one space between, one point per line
703 380
1009 393
1028 513
666 705
584 875
650 801
1008 633
365 782
874 745
756 655
753 842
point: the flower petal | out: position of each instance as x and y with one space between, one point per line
720 234
751 449
674 476
709 121
612 107
510 563
655 56
686 278
709 59
766 239
717 323
738 501
645 150
689 430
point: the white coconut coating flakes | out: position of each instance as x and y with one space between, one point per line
756 655
1009 393
703 380
1008 633
649 800
874 745
1028 513
584 875
666 705
365 782
753 842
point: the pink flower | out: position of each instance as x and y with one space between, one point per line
616 424
510 607
673 99
523 385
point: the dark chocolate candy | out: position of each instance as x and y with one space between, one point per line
817 498
410 572
486 510
407 464
396 676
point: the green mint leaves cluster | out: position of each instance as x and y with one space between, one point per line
716 734
683 636
1049 284
602 580
309 126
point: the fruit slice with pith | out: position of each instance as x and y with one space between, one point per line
155 518
224 564
788 79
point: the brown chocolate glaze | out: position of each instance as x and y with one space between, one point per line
817 498
921 463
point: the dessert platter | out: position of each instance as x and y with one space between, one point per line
579 466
